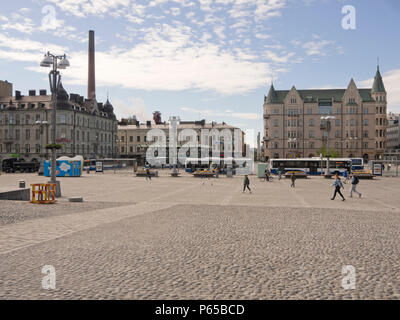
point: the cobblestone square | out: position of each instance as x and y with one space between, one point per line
189 238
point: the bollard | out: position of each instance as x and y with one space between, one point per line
22 184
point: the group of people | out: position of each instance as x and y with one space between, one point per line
337 184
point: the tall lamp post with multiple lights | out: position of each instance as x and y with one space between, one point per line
328 129
51 60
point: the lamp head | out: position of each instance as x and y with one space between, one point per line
64 63
47 61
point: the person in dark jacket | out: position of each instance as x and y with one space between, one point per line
354 183
246 183
293 179
148 175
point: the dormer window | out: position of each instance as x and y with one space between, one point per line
293 100
352 100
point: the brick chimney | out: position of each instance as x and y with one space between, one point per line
91 70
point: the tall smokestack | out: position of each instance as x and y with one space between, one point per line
91 75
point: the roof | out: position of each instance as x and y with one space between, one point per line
378 83
315 95
181 126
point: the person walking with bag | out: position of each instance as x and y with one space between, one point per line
338 184
246 183
354 183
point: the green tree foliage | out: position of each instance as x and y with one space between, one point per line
333 152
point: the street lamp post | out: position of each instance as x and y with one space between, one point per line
328 130
51 60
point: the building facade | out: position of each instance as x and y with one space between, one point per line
293 127
133 137
393 136
84 127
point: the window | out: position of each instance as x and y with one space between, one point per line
27 134
17 119
276 123
37 117
309 111
17 148
365 122
131 139
27 119
17 135
337 122
337 134
138 139
276 134
276 111
293 100
27 148
366 145
311 134
366 134
311 123
37 134
37 148
312 145
366 111
352 100
294 123
352 122
276 145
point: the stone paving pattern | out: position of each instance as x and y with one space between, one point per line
184 238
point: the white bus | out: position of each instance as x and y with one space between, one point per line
310 166
238 164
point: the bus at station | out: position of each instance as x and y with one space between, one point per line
211 163
315 166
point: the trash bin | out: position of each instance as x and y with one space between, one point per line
229 172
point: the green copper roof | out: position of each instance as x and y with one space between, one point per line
271 97
312 96
378 83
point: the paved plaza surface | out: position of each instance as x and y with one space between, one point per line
188 238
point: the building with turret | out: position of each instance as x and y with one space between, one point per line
293 127
84 126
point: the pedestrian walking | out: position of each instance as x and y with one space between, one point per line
266 173
246 183
148 175
338 184
280 174
293 179
354 183
216 173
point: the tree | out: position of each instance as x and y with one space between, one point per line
333 152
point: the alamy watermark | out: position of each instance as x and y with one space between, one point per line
200 146
49 280
349 20
349 279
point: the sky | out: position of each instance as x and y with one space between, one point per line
202 59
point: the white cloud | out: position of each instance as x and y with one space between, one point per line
175 11
134 107
316 48
168 59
